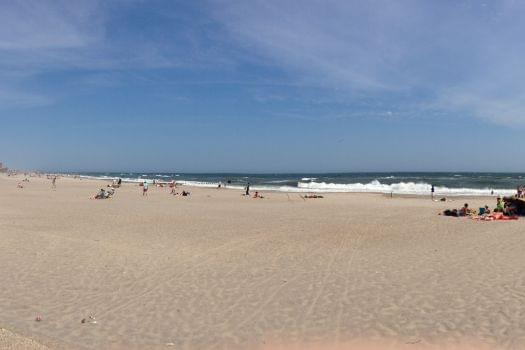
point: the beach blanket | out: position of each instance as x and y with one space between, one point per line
494 217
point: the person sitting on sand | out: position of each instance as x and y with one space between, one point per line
116 183
257 195
20 185
510 210
313 196
451 212
487 210
185 193
464 211
101 194
521 192
109 193
500 205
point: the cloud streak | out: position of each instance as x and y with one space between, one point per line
460 57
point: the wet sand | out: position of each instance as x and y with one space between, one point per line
217 270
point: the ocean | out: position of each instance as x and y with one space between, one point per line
446 184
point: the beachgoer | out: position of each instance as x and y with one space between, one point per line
449 212
464 211
313 196
508 211
145 188
500 205
432 192
257 195
53 182
101 194
247 189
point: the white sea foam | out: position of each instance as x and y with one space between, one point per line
408 188
207 184
399 188
111 178
279 181
308 179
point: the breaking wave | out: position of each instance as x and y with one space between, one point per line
413 188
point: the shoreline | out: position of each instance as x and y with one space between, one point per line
292 190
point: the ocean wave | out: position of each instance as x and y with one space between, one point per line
207 184
308 179
408 188
412 188
280 181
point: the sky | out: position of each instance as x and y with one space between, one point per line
262 86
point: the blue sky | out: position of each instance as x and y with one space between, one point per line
262 86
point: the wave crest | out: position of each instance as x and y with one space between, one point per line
419 188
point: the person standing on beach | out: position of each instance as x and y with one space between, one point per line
247 189
432 191
145 188
54 182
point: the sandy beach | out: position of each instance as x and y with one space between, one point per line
217 270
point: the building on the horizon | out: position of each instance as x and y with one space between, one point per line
2 168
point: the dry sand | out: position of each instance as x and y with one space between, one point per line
220 271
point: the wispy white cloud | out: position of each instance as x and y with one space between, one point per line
17 98
35 25
459 57
47 37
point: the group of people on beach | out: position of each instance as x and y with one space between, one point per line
503 209
247 192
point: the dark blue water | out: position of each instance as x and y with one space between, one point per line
402 182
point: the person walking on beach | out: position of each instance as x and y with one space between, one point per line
432 190
247 189
54 182
145 188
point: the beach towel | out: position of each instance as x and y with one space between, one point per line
494 217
